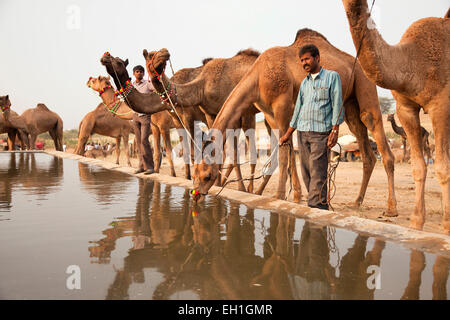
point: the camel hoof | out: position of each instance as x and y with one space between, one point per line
391 213
173 174
250 189
416 223
354 205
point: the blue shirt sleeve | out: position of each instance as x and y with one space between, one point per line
298 104
336 100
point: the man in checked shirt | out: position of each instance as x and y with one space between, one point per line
317 116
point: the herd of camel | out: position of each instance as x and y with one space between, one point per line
227 93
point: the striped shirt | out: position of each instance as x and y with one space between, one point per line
145 86
319 103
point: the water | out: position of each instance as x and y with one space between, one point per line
137 239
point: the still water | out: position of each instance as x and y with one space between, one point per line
138 239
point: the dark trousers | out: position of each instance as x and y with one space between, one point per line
314 166
142 130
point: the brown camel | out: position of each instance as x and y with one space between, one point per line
273 83
401 132
12 120
36 121
209 90
161 122
102 122
417 70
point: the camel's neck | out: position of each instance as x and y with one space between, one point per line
381 62
397 129
14 120
115 106
186 95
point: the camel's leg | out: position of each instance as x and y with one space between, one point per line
416 267
237 166
125 138
33 138
408 113
440 277
117 149
54 136
404 149
157 146
358 124
282 108
168 146
12 139
249 123
440 117
269 124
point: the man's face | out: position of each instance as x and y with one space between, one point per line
138 74
309 63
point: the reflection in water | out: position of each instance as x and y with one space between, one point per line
175 248
210 253
22 171
105 184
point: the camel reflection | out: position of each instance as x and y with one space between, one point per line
210 252
105 184
33 177
440 276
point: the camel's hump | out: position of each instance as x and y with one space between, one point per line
248 52
42 107
206 60
305 32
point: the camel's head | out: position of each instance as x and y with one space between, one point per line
390 117
116 68
5 104
156 61
99 84
205 173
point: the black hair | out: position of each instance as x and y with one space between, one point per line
139 67
312 49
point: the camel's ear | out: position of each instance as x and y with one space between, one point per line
145 53
126 62
7 96
108 77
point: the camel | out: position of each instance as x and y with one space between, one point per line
273 83
41 119
161 122
209 90
401 132
95 153
417 70
37 120
102 122
12 122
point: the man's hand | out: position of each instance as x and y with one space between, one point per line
333 137
286 136
283 140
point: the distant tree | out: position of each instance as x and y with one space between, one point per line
386 105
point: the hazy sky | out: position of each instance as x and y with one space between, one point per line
50 48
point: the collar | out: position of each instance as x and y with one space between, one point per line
319 75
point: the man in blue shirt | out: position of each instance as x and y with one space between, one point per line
317 115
